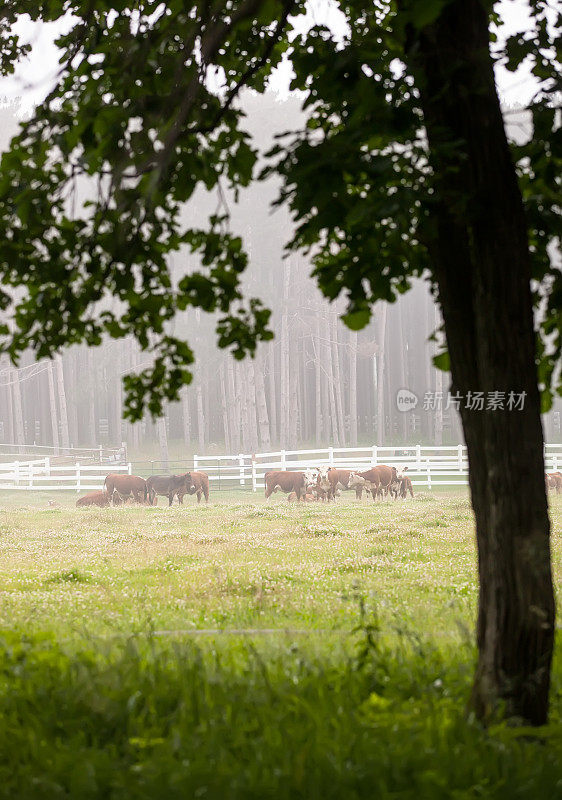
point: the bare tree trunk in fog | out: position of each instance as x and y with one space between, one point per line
185 418
331 409
317 383
380 338
285 384
163 443
353 388
53 408
244 422
91 425
263 418
402 366
438 437
294 396
62 403
117 397
18 412
224 406
200 416
335 353
250 386
234 405
272 393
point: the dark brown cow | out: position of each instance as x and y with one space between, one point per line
378 479
126 486
199 485
286 481
94 499
169 486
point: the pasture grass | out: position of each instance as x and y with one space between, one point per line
116 682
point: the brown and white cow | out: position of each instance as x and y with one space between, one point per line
378 480
286 481
125 487
199 486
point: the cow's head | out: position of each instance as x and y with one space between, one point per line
401 473
355 480
186 480
310 477
323 481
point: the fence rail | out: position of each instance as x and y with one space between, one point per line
427 467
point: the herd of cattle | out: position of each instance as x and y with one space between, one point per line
313 484
325 483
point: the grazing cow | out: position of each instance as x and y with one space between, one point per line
169 486
126 486
199 485
286 481
94 499
377 479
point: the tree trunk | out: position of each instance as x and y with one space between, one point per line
263 418
285 375
62 403
18 411
353 388
185 418
317 382
481 260
234 406
438 421
163 443
272 383
200 416
53 407
337 377
224 406
92 438
380 339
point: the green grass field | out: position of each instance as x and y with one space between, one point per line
252 649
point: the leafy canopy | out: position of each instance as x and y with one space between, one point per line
146 105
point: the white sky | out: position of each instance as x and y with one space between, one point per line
35 76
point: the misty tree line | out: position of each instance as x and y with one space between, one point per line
316 383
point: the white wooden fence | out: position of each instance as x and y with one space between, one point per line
41 475
427 466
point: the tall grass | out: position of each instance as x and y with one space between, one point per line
172 719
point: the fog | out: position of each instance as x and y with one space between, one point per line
316 384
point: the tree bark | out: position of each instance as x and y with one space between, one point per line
337 377
480 256
224 406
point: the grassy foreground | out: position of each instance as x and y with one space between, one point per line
355 687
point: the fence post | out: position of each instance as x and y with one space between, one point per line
428 474
374 455
241 465
101 454
48 466
195 462
418 457
254 476
555 463
31 476
77 477
129 468
17 471
459 451
331 456
283 459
